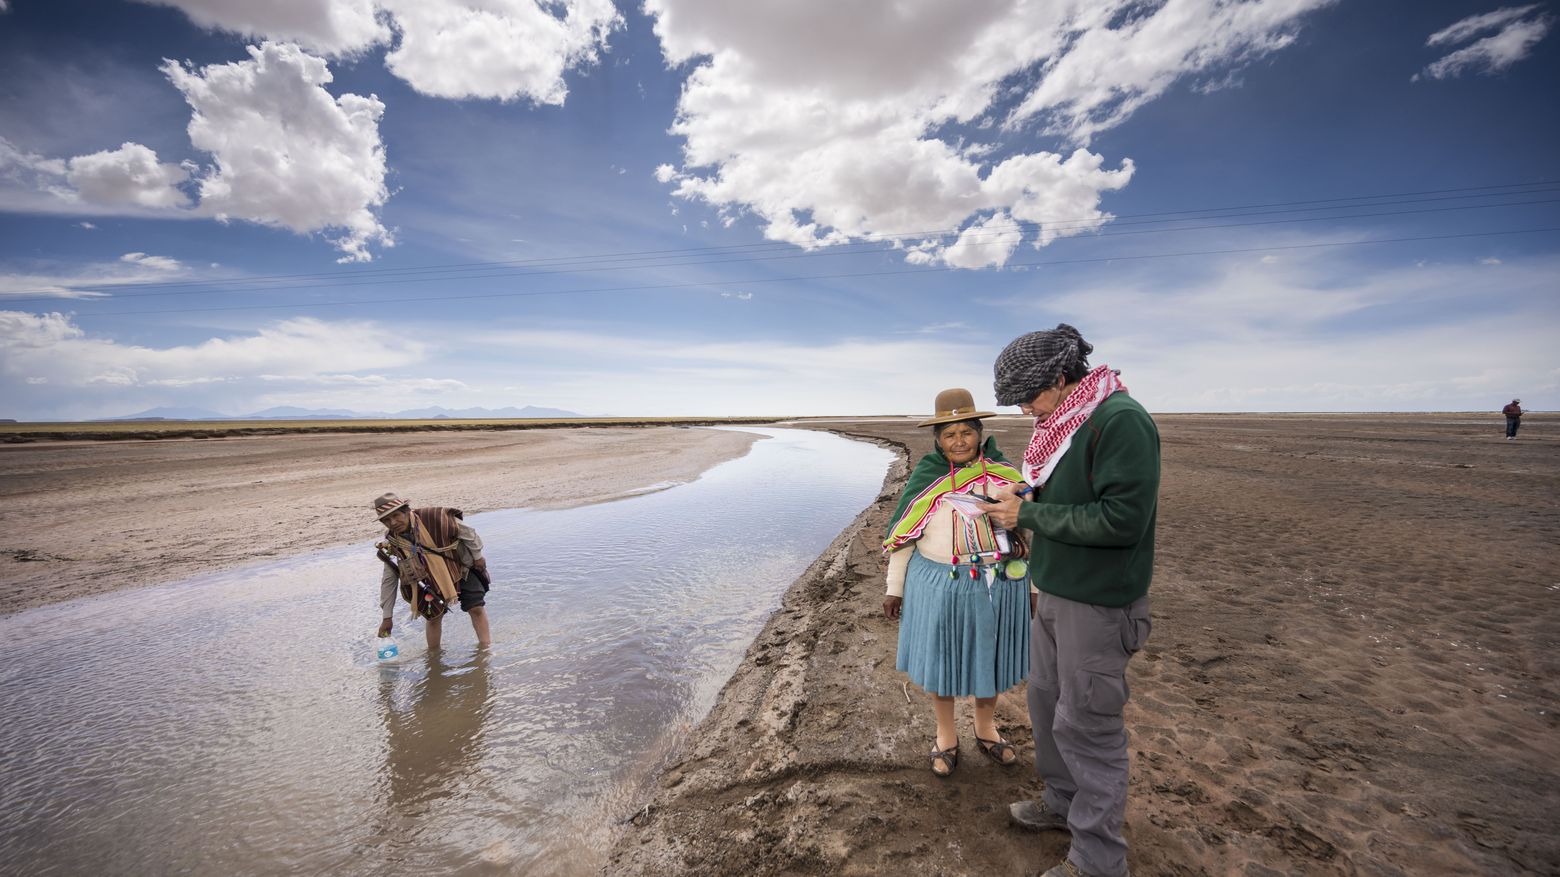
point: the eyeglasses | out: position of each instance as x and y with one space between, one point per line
1029 407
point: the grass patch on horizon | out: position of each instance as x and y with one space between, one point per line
155 429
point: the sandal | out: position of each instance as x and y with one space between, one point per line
997 750
949 757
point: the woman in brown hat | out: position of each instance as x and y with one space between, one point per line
958 583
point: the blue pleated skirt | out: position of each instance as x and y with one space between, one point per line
958 640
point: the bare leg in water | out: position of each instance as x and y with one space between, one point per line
479 625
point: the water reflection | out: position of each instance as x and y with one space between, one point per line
434 724
238 723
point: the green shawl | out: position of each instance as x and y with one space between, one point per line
929 480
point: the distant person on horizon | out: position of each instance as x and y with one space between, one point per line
1093 466
434 560
1513 414
958 585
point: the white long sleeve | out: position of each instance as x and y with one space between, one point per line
935 544
388 584
898 562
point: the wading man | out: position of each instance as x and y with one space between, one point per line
1093 474
435 561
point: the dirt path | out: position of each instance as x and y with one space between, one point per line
1352 671
83 518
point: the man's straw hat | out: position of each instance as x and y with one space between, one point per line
955 404
386 504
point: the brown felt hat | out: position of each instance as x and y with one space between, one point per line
386 504
955 404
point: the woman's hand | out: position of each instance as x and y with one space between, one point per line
891 607
1005 512
384 627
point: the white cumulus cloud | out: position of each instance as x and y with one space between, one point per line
89 374
500 49
1517 30
287 152
128 181
20 330
984 244
129 175
1118 56
505 49
826 120
329 26
284 152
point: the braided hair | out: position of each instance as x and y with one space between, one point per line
1033 363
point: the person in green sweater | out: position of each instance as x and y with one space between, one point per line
1092 470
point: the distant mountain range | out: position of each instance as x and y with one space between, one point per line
289 413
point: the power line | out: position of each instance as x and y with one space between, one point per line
840 276
789 253
873 245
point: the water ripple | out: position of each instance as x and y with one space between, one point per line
237 723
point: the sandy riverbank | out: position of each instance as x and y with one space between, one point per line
83 518
1352 671
1352 668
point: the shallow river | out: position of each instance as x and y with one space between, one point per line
238 723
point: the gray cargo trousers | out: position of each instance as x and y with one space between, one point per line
1078 656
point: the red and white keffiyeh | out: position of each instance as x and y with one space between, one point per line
1053 435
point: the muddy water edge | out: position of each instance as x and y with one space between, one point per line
238 722
1352 671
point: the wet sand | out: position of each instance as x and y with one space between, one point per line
238 722
82 518
1353 670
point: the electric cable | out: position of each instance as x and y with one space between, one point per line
875 244
788 254
767 280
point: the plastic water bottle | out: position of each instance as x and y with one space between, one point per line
386 649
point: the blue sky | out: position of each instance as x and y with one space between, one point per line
691 207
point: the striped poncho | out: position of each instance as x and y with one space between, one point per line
426 563
931 479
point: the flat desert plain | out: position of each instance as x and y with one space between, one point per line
1353 670
85 517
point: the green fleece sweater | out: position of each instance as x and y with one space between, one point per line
1093 522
